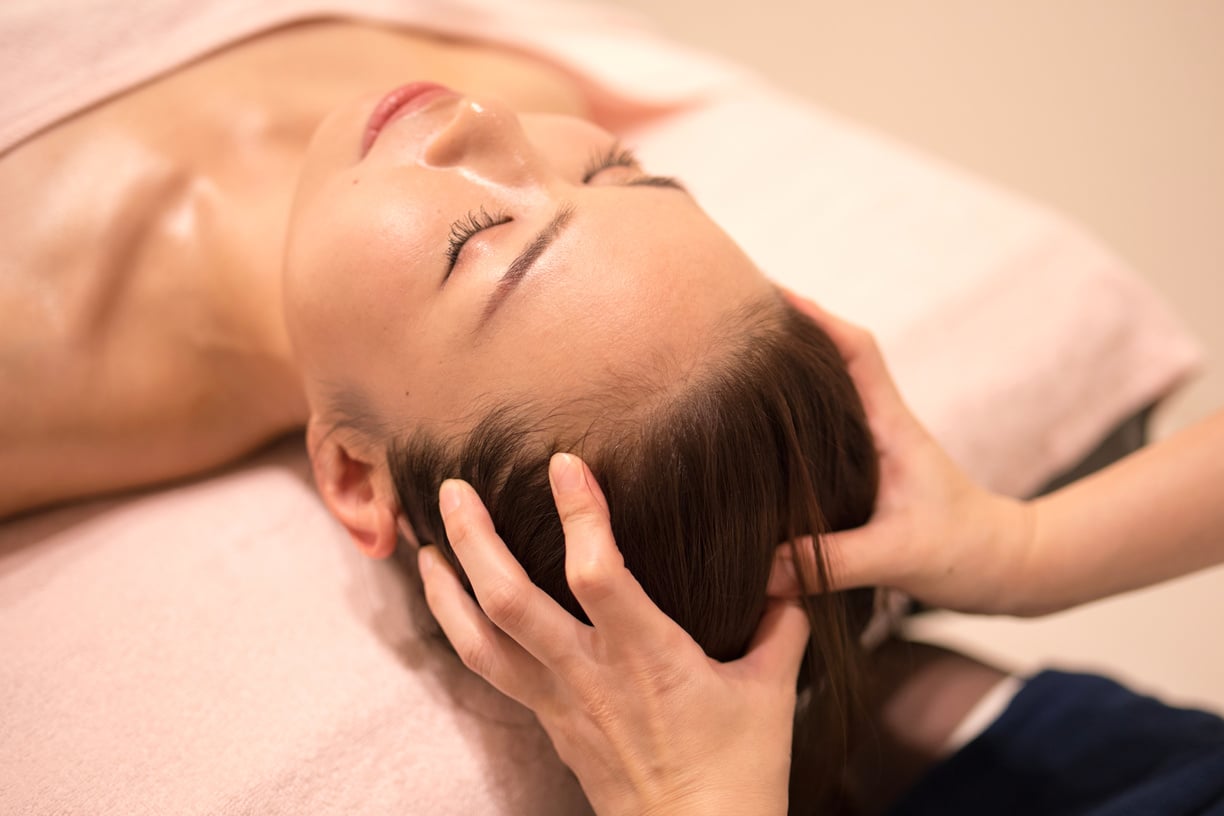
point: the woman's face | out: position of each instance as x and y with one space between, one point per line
579 267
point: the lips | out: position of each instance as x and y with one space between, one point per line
400 102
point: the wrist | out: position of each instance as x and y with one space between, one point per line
719 801
1031 585
1003 554
707 788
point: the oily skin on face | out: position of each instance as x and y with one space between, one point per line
637 273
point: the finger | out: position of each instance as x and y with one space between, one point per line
481 646
854 558
865 363
778 645
505 592
612 598
851 340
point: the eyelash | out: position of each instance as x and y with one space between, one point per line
614 156
466 227
476 220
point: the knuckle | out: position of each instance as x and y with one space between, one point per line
457 528
601 711
592 579
505 605
585 513
664 681
478 656
595 580
599 702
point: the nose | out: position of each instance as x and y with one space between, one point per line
486 140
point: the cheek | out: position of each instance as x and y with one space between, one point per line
359 245
568 142
359 278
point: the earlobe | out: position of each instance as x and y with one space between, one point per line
352 491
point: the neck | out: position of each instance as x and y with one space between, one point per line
251 295
241 227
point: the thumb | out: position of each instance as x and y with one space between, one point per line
854 557
779 643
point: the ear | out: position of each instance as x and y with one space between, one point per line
355 489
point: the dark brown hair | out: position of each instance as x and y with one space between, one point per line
764 442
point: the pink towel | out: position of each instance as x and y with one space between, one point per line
220 648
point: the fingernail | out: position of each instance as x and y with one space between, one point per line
567 472
783 580
425 562
450 496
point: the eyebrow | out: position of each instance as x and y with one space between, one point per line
657 181
531 253
522 264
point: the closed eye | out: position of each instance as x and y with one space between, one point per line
617 155
463 229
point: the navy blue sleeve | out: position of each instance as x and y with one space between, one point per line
1081 744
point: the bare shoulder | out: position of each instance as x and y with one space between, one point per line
130 389
84 418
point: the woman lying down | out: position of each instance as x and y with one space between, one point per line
476 276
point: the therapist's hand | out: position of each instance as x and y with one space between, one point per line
647 722
934 533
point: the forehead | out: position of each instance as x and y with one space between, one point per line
640 277
649 262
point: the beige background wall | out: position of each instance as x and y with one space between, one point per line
1111 111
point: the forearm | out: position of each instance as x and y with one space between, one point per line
1155 515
